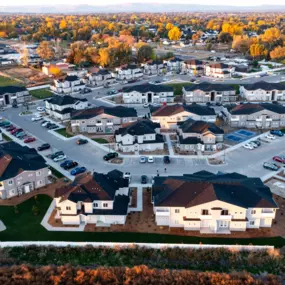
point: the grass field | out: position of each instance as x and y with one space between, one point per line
23 225
64 133
178 87
41 93
100 140
6 81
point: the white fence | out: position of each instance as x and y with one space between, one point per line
39 87
148 245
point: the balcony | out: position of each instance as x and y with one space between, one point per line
205 217
269 214
225 217
110 124
75 125
99 124
164 213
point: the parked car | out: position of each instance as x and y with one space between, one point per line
253 144
248 146
29 140
37 118
70 165
59 158
11 128
277 133
4 123
43 147
81 141
257 142
150 159
110 156
13 132
63 164
219 104
279 158
145 105
143 159
44 123
56 154
52 126
41 109
270 166
269 136
48 125
143 179
166 159
78 170
20 134
127 175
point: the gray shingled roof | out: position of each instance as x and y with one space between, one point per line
144 88
208 87
268 86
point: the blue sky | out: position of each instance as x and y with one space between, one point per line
112 2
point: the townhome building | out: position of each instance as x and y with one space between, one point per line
193 67
102 119
142 135
174 64
263 91
129 72
61 107
22 170
260 116
208 92
70 84
14 94
6 61
219 70
100 77
219 203
99 199
148 93
154 67
168 116
199 136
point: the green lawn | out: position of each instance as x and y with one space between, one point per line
41 93
177 87
100 140
5 81
24 226
64 133
6 138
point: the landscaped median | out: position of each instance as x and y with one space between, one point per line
64 133
23 224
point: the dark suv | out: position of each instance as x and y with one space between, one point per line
110 156
166 159
43 147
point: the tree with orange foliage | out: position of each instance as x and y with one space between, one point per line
55 71
257 50
104 56
271 35
169 26
278 53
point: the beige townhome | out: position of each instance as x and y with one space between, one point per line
102 119
100 199
22 170
263 91
168 116
210 203
193 67
199 136
69 84
99 77
260 116
219 70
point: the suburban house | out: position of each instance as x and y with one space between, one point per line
208 92
13 94
142 135
174 64
199 136
129 72
260 116
22 170
263 91
100 77
219 70
100 199
68 85
154 67
212 203
148 93
168 116
193 67
60 107
102 119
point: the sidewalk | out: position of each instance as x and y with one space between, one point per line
170 147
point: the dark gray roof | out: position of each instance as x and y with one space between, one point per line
189 140
71 78
208 87
268 86
101 72
192 126
64 100
143 88
11 89
140 127
202 187
118 111
15 158
247 109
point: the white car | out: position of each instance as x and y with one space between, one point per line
45 123
253 144
41 109
127 175
145 105
269 136
59 158
248 146
37 118
143 159
150 159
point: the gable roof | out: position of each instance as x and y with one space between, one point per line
64 100
143 88
15 159
140 127
268 86
249 108
11 89
170 110
118 111
208 87
192 126
219 65
199 188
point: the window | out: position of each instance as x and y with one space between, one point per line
38 173
224 212
40 182
251 223
177 211
105 205
95 205
68 208
176 222
253 212
205 212
10 182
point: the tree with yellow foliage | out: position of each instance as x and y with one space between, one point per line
46 50
257 50
63 24
104 56
54 70
174 34
271 35
169 26
278 53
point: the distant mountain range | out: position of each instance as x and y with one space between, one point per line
136 7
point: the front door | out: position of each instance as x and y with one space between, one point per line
212 96
149 97
7 99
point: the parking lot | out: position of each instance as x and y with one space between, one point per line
240 136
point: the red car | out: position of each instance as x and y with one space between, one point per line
15 130
279 158
28 140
